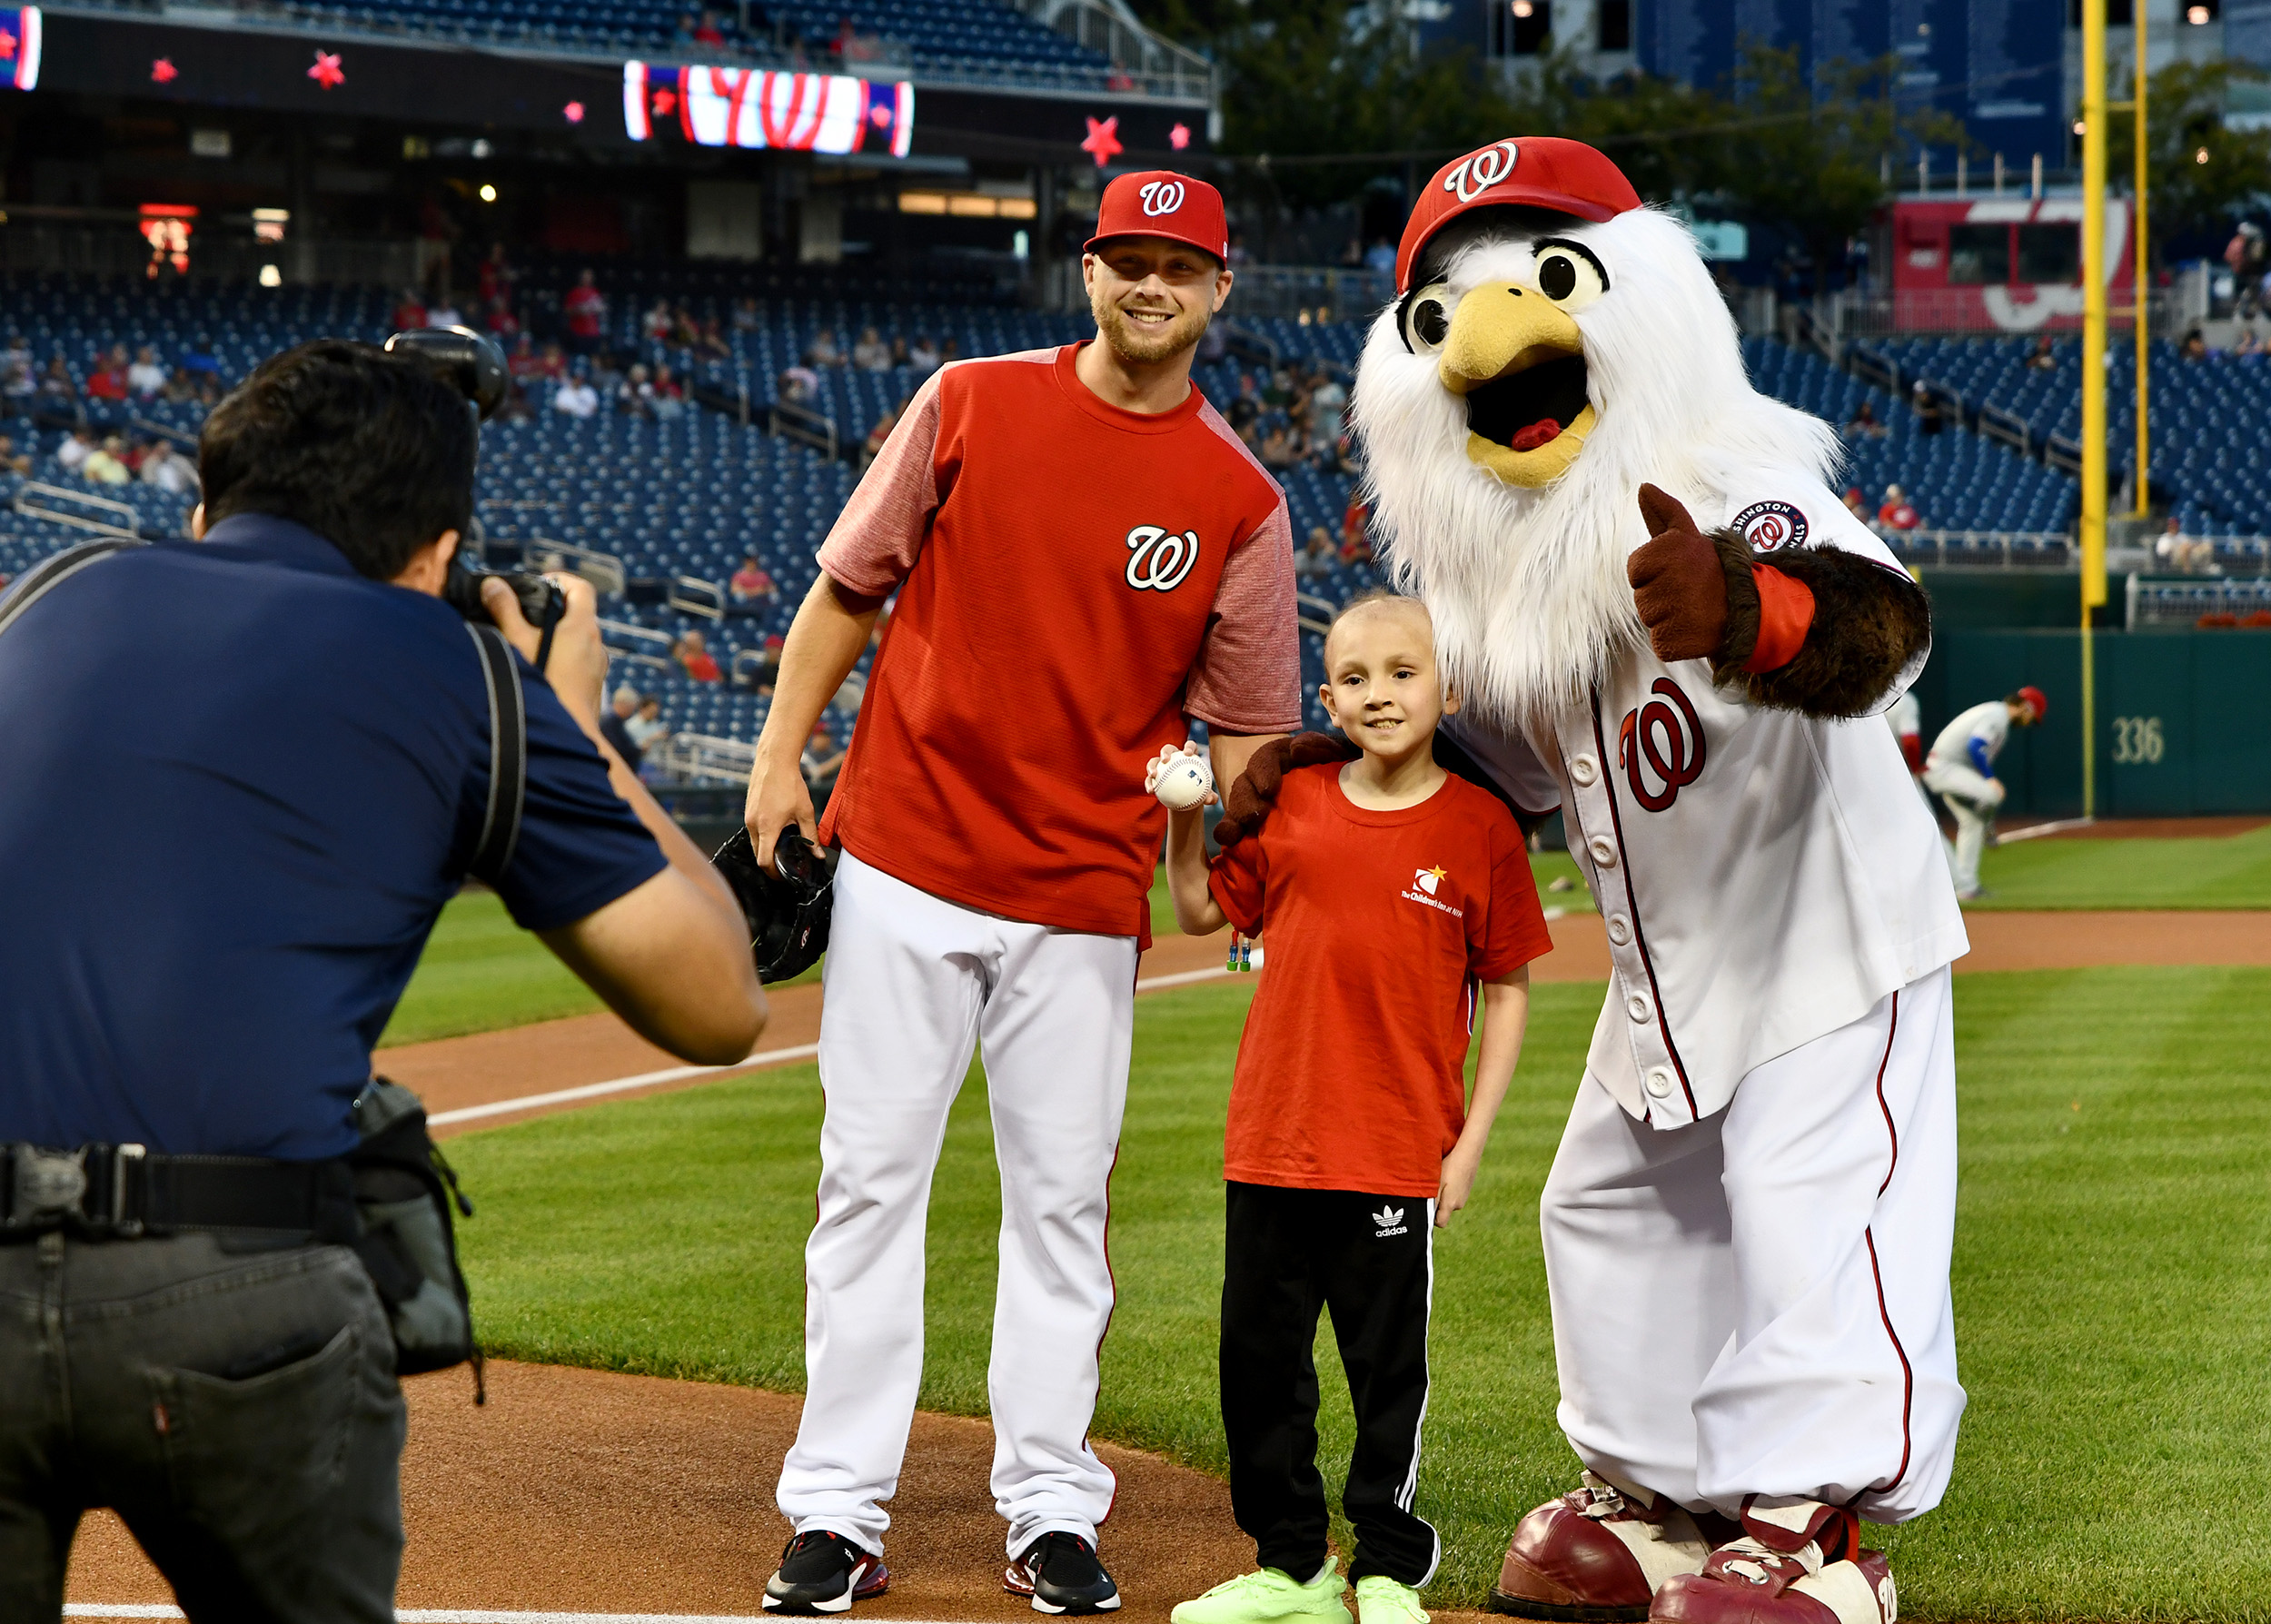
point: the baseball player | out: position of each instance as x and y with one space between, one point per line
1084 557
1960 770
1400 905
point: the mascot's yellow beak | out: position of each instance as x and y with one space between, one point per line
1520 362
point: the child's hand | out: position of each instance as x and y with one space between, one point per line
1168 756
1458 1181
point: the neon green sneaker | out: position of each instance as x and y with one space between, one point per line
1380 1601
1271 1596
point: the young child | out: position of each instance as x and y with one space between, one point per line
1390 893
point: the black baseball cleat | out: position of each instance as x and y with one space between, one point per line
822 1572
1060 1572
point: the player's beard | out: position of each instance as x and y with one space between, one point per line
1148 344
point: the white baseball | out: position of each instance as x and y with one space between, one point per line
1184 782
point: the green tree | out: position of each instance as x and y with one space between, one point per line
2199 172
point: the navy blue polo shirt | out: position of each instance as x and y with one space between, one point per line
238 781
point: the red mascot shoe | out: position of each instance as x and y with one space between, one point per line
1597 1555
1796 1564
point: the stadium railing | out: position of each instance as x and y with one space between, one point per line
35 500
704 758
2184 601
2025 550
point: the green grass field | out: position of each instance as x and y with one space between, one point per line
2233 871
2113 1280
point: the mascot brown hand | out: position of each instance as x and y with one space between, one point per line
1255 790
1818 630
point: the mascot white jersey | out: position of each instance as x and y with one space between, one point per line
1663 623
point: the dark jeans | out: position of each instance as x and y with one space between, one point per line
238 1409
1286 1254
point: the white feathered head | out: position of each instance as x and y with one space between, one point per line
1555 346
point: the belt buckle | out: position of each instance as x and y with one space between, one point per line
48 1187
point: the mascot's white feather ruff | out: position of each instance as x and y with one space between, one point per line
1528 586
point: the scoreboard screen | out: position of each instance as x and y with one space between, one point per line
750 107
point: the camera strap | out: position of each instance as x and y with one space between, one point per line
508 754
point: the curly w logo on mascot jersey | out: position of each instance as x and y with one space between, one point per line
1664 624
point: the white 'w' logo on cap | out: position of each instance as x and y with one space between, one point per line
1165 197
1479 172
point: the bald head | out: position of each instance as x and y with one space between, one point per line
1405 620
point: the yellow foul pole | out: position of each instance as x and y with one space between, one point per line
2094 116
2144 334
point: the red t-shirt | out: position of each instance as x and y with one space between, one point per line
1351 1072
1073 581
585 308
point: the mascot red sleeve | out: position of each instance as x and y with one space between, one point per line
1663 620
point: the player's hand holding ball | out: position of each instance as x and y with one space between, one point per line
1181 779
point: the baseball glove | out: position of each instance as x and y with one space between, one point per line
786 907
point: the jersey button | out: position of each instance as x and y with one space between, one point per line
1584 770
1620 930
1659 1083
1603 849
1639 1007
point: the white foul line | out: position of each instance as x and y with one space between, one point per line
677 1073
2035 831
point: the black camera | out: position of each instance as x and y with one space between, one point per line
476 368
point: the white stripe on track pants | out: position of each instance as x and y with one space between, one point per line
1758 1303
913 982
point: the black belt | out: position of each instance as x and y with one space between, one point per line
124 1191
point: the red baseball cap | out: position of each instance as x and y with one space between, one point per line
1538 171
1159 202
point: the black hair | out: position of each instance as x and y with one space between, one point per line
372 451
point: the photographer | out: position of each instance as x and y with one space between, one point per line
208 926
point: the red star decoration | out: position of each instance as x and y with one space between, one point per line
7 46
1179 137
163 71
1103 140
666 103
327 72
573 112
880 116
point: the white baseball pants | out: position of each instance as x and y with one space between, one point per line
912 984
1972 798
1758 1303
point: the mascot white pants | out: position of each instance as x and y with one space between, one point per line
1744 1305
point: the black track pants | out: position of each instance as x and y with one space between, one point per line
1369 1260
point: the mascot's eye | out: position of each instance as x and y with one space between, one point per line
1426 319
1569 276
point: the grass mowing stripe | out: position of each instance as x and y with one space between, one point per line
2113 1280
2185 872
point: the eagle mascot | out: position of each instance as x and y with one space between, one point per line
1661 621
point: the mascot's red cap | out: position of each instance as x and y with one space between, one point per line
1159 202
1539 172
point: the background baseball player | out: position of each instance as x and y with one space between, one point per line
1084 556
1960 770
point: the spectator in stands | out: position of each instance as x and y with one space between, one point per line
1327 401
198 357
17 386
496 276
1355 539
1856 503
1863 424
147 376
106 465
2044 357
646 725
13 462
2194 348
409 310
524 361
2250 343
695 659
872 447
768 672
606 372
949 353
444 312
820 764
823 352
55 402
660 323
1380 258
1279 449
500 319
168 470
1897 513
554 363
871 353
2245 256
576 397
1925 405
2176 551
747 317
710 343
750 583
78 447
1316 558
107 382
900 356
797 386
634 397
585 309
615 726
667 399
13 349
924 356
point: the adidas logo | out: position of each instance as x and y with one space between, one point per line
1390 1221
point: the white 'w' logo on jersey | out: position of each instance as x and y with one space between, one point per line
1158 558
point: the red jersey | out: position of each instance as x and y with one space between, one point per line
1073 581
1352 1074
